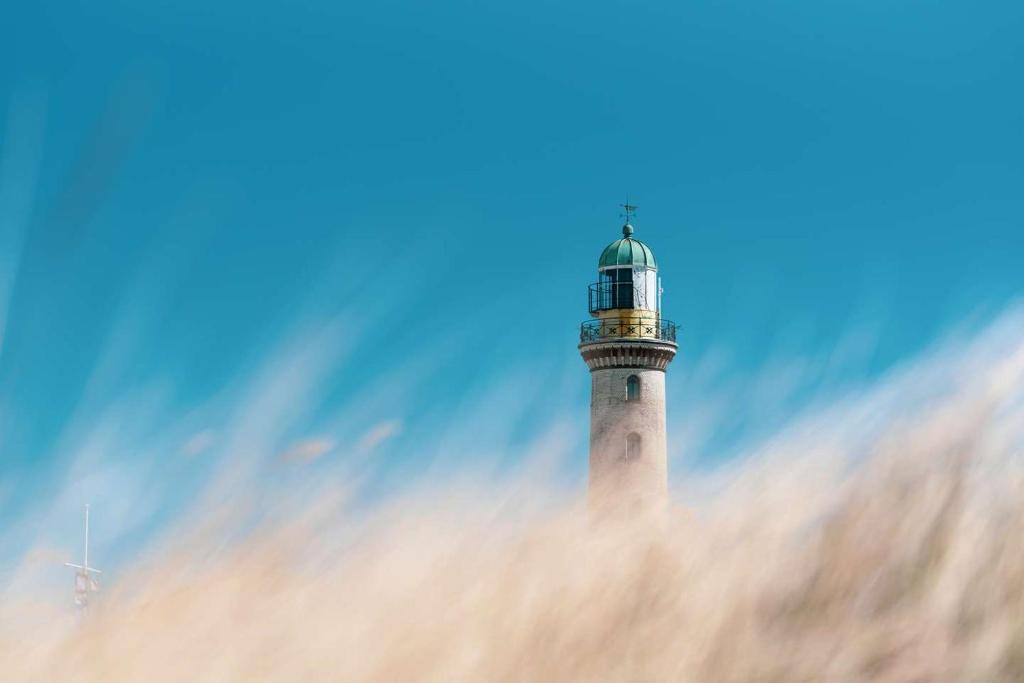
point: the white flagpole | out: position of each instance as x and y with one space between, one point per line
84 583
86 563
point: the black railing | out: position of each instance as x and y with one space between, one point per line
633 327
604 296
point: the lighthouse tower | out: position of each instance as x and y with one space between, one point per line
627 345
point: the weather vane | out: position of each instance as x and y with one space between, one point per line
629 210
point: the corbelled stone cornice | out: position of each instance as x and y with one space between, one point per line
650 355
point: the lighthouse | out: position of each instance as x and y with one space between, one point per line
627 345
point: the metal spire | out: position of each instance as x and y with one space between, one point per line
84 582
629 210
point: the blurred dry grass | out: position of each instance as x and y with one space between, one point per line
903 562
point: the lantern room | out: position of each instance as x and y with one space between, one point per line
627 278
626 300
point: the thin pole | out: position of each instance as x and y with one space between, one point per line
86 563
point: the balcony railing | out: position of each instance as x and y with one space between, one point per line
632 327
603 296
606 296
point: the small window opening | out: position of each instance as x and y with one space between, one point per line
632 388
633 447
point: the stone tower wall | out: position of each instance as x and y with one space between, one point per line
620 475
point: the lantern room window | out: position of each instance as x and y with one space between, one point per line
616 288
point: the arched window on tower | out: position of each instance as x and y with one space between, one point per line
632 388
634 447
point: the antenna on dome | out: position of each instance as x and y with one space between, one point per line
85 584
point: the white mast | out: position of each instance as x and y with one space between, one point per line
84 583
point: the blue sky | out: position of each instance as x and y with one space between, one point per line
376 223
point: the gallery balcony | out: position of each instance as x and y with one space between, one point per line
629 328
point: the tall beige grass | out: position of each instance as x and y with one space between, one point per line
895 556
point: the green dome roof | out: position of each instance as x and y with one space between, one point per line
627 252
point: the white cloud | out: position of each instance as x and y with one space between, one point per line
199 442
379 433
308 450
